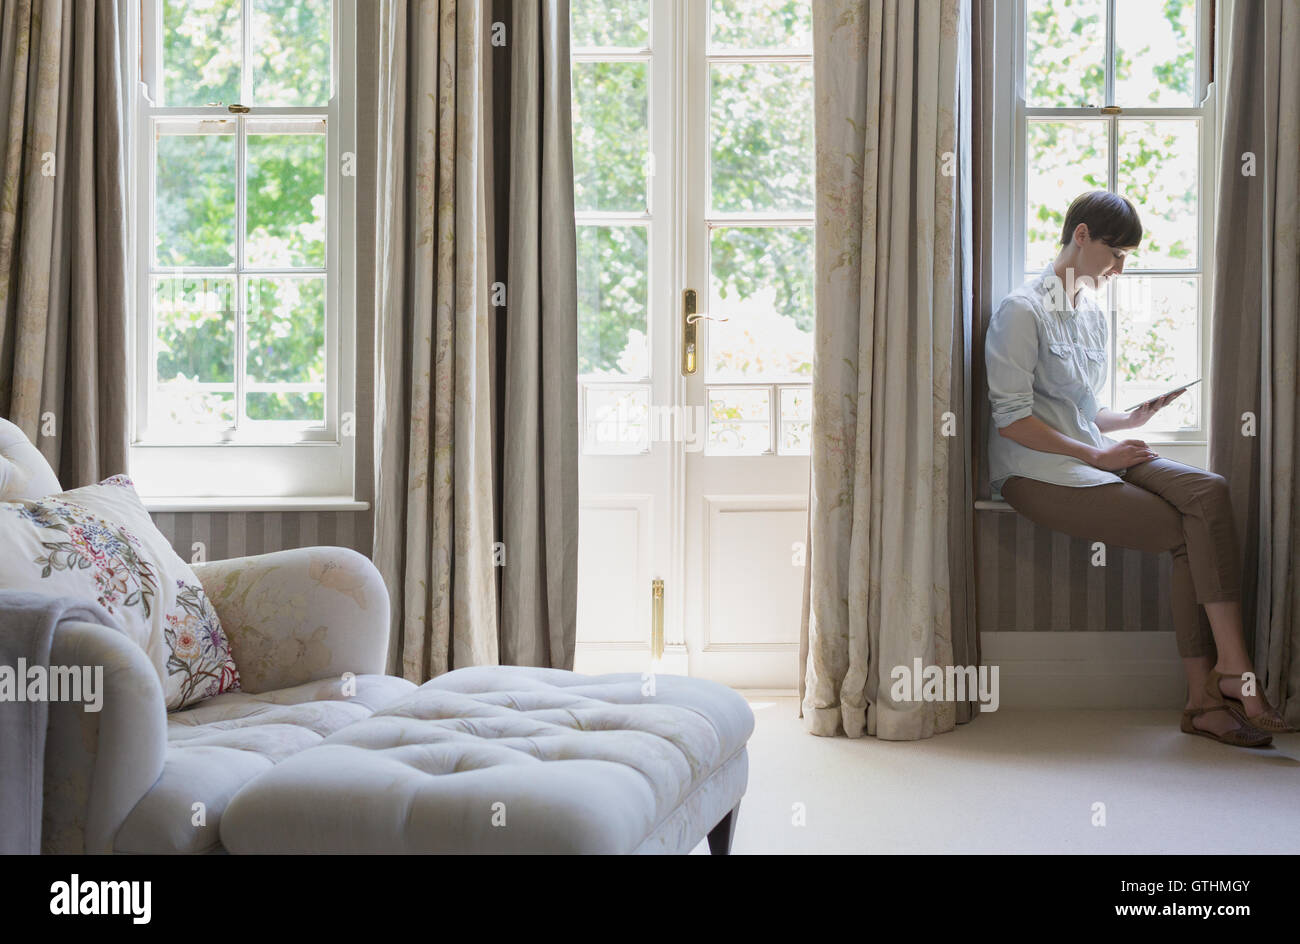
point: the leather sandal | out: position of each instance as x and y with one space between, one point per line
1270 720
1244 735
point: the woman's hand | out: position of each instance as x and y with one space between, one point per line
1145 411
1122 455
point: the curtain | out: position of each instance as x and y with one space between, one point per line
539 493
476 351
63 310
891 577
985 62
1256 325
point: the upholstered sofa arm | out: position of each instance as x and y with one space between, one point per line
98 764
300 615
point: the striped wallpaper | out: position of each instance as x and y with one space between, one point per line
228 534
1031 579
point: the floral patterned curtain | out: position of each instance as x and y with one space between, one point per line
1256 324
63 269
891 576
476 376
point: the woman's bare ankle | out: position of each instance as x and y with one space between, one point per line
1231 669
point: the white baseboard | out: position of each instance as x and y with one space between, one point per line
1035 670
1086 670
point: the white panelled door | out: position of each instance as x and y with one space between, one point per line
693 162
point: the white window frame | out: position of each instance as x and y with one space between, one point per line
704 57
657 220
1010 182
280 460
663 220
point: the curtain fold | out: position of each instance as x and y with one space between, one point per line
1256 325
539 497
984 65
890 569
967 338
63 307
476 442
1281 639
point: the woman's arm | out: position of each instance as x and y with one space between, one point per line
1033 433
1108 421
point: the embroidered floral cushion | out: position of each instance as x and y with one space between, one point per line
99 543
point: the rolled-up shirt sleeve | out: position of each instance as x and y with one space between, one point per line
1010 355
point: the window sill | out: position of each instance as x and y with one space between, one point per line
230 478
984 504
254 503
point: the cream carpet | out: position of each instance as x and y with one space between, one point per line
1017 782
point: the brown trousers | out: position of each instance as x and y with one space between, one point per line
1161 506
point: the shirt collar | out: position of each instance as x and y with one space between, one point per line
1057 298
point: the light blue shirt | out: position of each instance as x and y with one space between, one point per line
1047 357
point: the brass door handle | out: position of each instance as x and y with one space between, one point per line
690 331
690 334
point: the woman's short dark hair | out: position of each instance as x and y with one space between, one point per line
1111 217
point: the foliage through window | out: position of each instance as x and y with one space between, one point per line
1141 61
758 151
234 245
760 224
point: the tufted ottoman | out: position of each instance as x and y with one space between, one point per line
504 759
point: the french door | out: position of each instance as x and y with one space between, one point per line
693 158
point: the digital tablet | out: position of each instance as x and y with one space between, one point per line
1165 394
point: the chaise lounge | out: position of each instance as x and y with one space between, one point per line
320 751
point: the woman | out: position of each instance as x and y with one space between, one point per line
1049 458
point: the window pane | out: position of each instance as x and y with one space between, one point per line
761 24
1063 160
285 354
301 407
761 137
1155 53
189 404
1065 53
612 301
194 349
796 421
616 420
740 421
194 222
1158 169
611 136
601 23
1157 346
202 52
286 195
291 52
761 278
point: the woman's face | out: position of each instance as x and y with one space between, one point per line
1099 261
